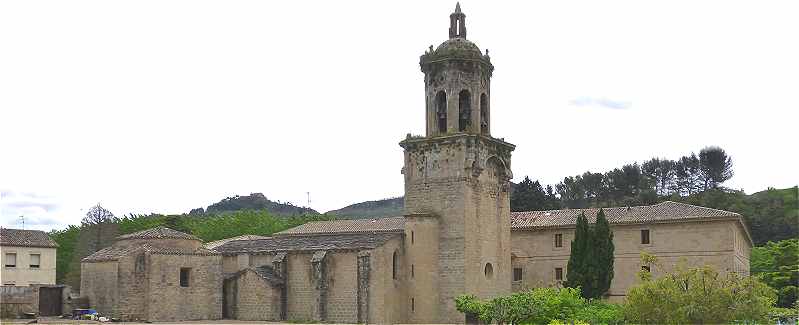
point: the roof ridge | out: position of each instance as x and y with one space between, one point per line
699 206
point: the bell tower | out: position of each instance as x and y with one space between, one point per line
456 185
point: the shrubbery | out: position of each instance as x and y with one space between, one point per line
684 296
697 296
541 306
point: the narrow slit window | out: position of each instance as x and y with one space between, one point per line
185 274
645 236
394 262
558 240
646 268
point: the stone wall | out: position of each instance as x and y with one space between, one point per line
99 285
388 297
17 300
256 299
132 287
690 243
302 303
168 301
342 286
422 269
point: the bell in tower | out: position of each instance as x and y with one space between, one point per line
457 83
456 185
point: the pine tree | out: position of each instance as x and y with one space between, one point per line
602 255
578 271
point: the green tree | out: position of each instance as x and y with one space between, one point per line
579 272
66 240
530 196
716 167
697 296
602 255
777 264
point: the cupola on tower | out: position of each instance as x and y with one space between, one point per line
457 203
457 80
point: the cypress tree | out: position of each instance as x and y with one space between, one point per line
578 271
602 255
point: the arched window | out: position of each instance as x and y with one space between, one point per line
441 111
489 270
394 264
465 110
483 114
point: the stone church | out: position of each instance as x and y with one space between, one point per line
457 235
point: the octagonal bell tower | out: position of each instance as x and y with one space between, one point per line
457 200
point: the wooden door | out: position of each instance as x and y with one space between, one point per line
50 301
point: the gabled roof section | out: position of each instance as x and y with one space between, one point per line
317 242
159 232
667 211
26 238
114 253
352 226
217 243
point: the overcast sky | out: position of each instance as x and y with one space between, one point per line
164 106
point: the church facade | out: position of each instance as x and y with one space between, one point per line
457 235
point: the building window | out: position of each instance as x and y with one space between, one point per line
517 274
489 270
394 262
645 236
483 114
411 237
558 240
11 260
35 261
646 268
558 274
413 305
441 112
411 270
464 110
184 276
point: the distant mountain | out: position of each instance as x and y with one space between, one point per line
391 207
372 209
254 201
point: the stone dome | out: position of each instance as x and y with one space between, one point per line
459 48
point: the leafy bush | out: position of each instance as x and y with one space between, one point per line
698 296
541 306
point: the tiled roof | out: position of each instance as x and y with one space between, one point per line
381 225
158 233
215 244
25 238
661 212
307 243
116 252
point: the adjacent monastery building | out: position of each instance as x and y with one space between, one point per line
457 235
